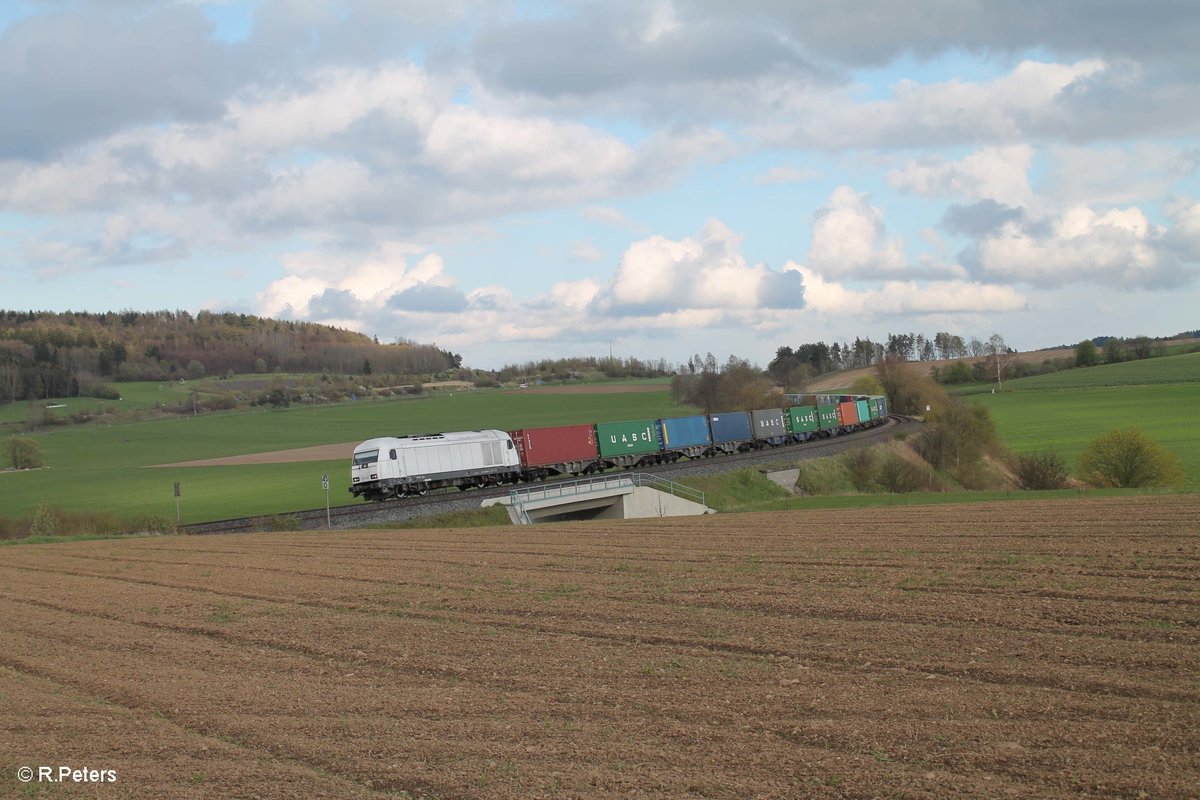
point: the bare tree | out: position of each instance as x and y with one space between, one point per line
999 356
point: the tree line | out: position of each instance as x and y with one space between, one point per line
51 354
792 366
575 368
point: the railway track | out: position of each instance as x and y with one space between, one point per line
358 514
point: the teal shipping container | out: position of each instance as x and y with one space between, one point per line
628 438
864 410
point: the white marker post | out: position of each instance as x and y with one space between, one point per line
325 486
176 502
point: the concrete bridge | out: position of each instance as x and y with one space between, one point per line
627 496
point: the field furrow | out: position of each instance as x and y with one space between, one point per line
1035 650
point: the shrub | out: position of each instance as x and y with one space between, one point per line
283 522
980 474
860 468
1044 470
220 402
45 521
822 476
25 453
957 435
1128 459
105 391
908 391
900 476
866 384
1085 354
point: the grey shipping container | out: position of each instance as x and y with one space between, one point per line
769 425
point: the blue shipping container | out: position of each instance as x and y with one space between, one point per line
731 426
680 432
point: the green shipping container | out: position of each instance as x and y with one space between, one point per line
864 410
628 438
827 416
803 418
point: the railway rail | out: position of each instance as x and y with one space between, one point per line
353 515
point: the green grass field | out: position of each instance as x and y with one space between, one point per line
108 467
1065 410
142 394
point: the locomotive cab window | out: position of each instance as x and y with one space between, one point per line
392 455
365 457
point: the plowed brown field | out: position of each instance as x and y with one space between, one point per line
1033 649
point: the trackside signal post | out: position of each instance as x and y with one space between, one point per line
325 486
176 502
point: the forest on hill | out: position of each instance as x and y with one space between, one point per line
51 354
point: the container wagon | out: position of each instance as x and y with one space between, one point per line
562 450
802 422
731 431
847 412
685 436
863 408
629 444
827 417
770 427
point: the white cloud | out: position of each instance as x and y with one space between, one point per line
1025 103
1185 233
466 142
848 239
365 281
908 297
1117 247
993 173
1113 175
659 275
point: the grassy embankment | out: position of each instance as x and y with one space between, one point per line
105 468
1066 410
1063 411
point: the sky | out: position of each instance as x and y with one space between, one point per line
521 180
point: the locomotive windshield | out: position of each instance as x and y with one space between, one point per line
365 457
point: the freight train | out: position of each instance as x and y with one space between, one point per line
401 466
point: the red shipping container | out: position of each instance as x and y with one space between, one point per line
567 444
847 413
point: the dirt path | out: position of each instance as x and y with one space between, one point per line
324 452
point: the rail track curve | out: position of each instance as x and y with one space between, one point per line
365 513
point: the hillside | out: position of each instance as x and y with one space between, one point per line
843 378
45 354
